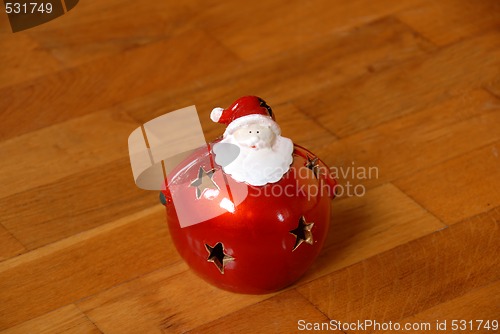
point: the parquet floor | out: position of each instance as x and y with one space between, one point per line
410 87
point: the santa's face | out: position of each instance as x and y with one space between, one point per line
262 156
254 136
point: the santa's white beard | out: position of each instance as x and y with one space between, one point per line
256 167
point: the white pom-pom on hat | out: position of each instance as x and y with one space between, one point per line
216 114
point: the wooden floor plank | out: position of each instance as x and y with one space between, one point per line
67 319
284 26
110 80
82 265
414 277
9 246
460 188
380 97
100 29
274 315
22 59
370 48
458 19
52 153
494 87
471 312
365 226
421 139
78 203
170 300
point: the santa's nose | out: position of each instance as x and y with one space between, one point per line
252 140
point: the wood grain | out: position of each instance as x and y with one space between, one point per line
471 175
83 36
99 200
400 90
494 87
413 277
169 300
32 63
410 88
462 19
55 152
67 319
408 144
274 315
364 226
479 305
300 24
9 246
356 52
99 258
107 81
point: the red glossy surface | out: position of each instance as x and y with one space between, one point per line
257 234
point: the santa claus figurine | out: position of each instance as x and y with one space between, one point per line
250 212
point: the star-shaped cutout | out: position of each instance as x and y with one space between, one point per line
204 181
302 233
312 164
217 256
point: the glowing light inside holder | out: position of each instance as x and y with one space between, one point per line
227 204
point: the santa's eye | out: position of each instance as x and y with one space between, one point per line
257 131
249 131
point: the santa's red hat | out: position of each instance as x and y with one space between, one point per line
245 110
